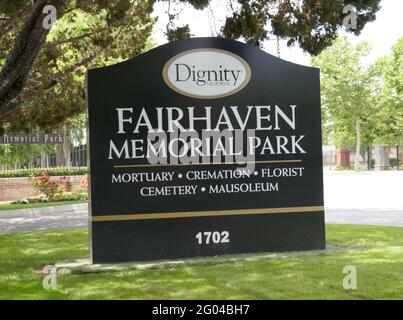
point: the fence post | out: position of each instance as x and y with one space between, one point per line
80 155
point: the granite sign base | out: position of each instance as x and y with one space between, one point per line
124 241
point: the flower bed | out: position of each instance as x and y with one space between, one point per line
15 189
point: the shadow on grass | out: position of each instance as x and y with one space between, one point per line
375 251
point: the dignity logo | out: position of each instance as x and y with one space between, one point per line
206 73
222 76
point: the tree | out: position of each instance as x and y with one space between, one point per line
42 78
313 24
347 91
21 155
388 99
38 66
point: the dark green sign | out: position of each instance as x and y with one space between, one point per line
204 147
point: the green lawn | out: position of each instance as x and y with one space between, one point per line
8 206
377 252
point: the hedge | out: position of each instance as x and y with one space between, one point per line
55 171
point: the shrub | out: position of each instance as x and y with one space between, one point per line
66 183
35 172
84 182
66 196
69 196
37 199
393 162
342 168
45 184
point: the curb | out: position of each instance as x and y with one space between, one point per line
71 208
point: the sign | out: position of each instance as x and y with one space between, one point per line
204 147
32 138
181 74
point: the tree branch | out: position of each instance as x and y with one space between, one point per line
16 104
23 54
72 39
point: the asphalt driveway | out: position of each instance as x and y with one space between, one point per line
358 198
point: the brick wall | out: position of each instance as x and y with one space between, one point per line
12 189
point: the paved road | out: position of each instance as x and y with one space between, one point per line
359 198
364 197
60 217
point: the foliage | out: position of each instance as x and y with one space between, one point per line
178 33
353 91
313 25
342 168
30 200
87 34
46 185
65 182
346 85
57 197
54 171
83 183
23 154
42 76
69 196
393 162
388 96
30 155
59 188
374 250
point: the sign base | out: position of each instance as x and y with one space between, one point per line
157 239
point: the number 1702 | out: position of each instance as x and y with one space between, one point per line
207 237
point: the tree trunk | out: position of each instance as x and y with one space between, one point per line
43 157
63 158
358 144
278 47
67 146
31 161
23 54
60 161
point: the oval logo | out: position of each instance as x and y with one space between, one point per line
206 73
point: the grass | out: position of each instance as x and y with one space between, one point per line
377 253
8 206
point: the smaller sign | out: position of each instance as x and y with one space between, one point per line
32 138
187 74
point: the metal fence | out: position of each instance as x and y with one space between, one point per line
77 159
366 157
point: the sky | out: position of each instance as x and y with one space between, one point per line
381 33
